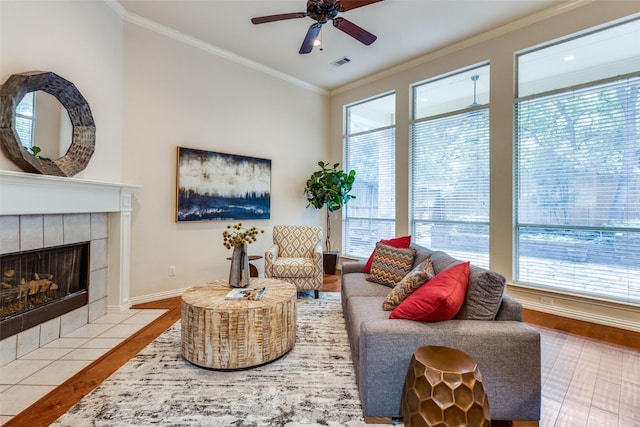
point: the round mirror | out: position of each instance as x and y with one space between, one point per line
43 125
46 124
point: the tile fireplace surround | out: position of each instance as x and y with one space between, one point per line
40 211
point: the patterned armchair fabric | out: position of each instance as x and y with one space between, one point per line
296 256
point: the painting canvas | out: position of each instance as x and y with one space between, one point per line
219 186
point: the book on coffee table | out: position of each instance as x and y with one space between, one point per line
253 294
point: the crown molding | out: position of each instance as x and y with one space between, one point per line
148 24
469 42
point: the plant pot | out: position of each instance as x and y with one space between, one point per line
330 261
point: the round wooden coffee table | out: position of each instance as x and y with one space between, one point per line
236 334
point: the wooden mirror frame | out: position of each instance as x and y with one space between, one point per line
84 129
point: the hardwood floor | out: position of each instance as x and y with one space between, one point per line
331 283
563 348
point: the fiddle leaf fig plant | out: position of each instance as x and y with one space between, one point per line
329 187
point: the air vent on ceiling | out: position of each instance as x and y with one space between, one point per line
341 61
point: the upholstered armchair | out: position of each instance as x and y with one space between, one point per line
296 257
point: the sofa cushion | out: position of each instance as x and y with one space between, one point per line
356 285
484 295
397 242
422 253
409 284
439 299
358 310
442 261
390 264
293 267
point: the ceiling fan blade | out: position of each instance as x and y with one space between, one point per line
354 31
312 35
343 5
280 17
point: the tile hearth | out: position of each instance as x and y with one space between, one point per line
33 375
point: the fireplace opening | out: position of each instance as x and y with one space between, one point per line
42 284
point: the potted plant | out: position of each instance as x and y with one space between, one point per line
329 187
238 239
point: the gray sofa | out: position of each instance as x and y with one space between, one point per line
506 349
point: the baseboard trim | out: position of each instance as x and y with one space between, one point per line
579 315
604 333
119 308
157 296
598 312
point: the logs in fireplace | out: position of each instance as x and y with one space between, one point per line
39 285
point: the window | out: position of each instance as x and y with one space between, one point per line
370 151
449 161
578 165
24 119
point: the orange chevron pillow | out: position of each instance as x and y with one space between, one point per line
396 242
390 264
409 283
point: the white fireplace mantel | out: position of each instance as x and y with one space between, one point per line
27 193
33 194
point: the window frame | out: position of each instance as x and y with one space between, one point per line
385 223
478 258
609 290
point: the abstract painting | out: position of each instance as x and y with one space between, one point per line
219 186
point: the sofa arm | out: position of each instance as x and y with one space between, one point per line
507 354
510 309
353 266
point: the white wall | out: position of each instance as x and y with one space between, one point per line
179 95
499 48
81 42
150 93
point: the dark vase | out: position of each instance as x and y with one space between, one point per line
239 274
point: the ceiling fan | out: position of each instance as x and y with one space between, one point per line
322 11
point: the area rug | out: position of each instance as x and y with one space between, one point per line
312 385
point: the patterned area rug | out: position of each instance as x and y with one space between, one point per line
312 385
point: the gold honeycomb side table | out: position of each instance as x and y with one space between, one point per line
443 388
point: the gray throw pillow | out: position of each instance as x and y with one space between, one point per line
484 295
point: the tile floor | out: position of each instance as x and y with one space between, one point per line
27 379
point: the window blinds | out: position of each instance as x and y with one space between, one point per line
578 189
370 151
450 184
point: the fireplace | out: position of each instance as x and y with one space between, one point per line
42 212
39 285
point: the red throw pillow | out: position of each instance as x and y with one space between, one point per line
439 299
397 242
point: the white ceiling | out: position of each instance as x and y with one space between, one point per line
406 29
